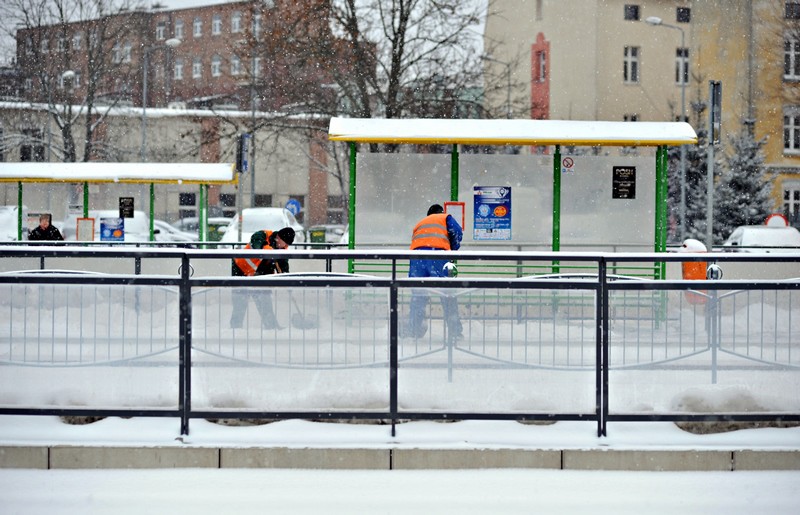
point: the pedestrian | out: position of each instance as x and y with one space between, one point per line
437 231
249 266
45 231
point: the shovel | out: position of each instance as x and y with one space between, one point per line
299 320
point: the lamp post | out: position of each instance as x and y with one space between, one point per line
657 22
170 43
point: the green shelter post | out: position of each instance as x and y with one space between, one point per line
19 211
556 243
152 211
454 173
660 240
351 217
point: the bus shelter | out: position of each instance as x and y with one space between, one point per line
201 174
577 190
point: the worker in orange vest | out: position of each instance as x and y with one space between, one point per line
249 266
437 231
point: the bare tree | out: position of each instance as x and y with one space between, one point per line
76 56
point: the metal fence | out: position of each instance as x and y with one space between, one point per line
589 346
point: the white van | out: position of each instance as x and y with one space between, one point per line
263 218
763 238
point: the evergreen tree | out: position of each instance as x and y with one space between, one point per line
742 194
697 186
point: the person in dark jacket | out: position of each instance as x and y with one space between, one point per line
247 266
437 231
45 231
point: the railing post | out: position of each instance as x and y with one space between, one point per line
601 371
393 354
185 346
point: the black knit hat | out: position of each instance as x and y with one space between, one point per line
435 209
287 235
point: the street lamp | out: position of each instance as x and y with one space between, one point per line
657 22
170 43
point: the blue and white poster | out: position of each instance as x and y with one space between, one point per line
112 229
492 213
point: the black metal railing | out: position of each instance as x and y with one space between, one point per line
554 347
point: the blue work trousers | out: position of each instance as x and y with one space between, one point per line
419 298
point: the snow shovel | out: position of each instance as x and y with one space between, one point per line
299 320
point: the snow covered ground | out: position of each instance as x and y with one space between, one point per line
244 491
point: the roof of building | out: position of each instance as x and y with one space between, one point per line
511 132
172 173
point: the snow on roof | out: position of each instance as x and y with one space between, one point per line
192 173
511 132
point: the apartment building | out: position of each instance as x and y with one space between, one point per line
204 74
652 60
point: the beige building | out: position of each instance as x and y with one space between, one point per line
290 163
602 60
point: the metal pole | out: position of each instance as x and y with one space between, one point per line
710 174
252 167
683 147
144 107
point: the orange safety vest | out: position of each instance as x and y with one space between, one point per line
249 265
431 232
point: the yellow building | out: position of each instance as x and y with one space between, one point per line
650 60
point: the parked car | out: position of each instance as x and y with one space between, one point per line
9 223
166 232
137 229
326 233
262 218
763 238
216 226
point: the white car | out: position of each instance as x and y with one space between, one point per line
137 229
262 218
166 232
763 238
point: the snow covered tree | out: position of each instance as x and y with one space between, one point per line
742 194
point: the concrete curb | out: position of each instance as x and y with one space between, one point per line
82 457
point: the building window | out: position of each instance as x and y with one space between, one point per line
61 44
630 71
32 148
179 29
236 22
263 200
256 24
630 117
76 40
116 53
216 66
683 15
28 84
256 69
178 69
791 131
216 25
791 203
541 66
45 45
793 10
126 53
188 205
161 30
236 65
632 12
197 68
791 59
682 66
228 203
197 28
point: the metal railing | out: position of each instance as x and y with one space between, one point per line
591 346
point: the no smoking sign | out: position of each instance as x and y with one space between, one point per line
567 165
